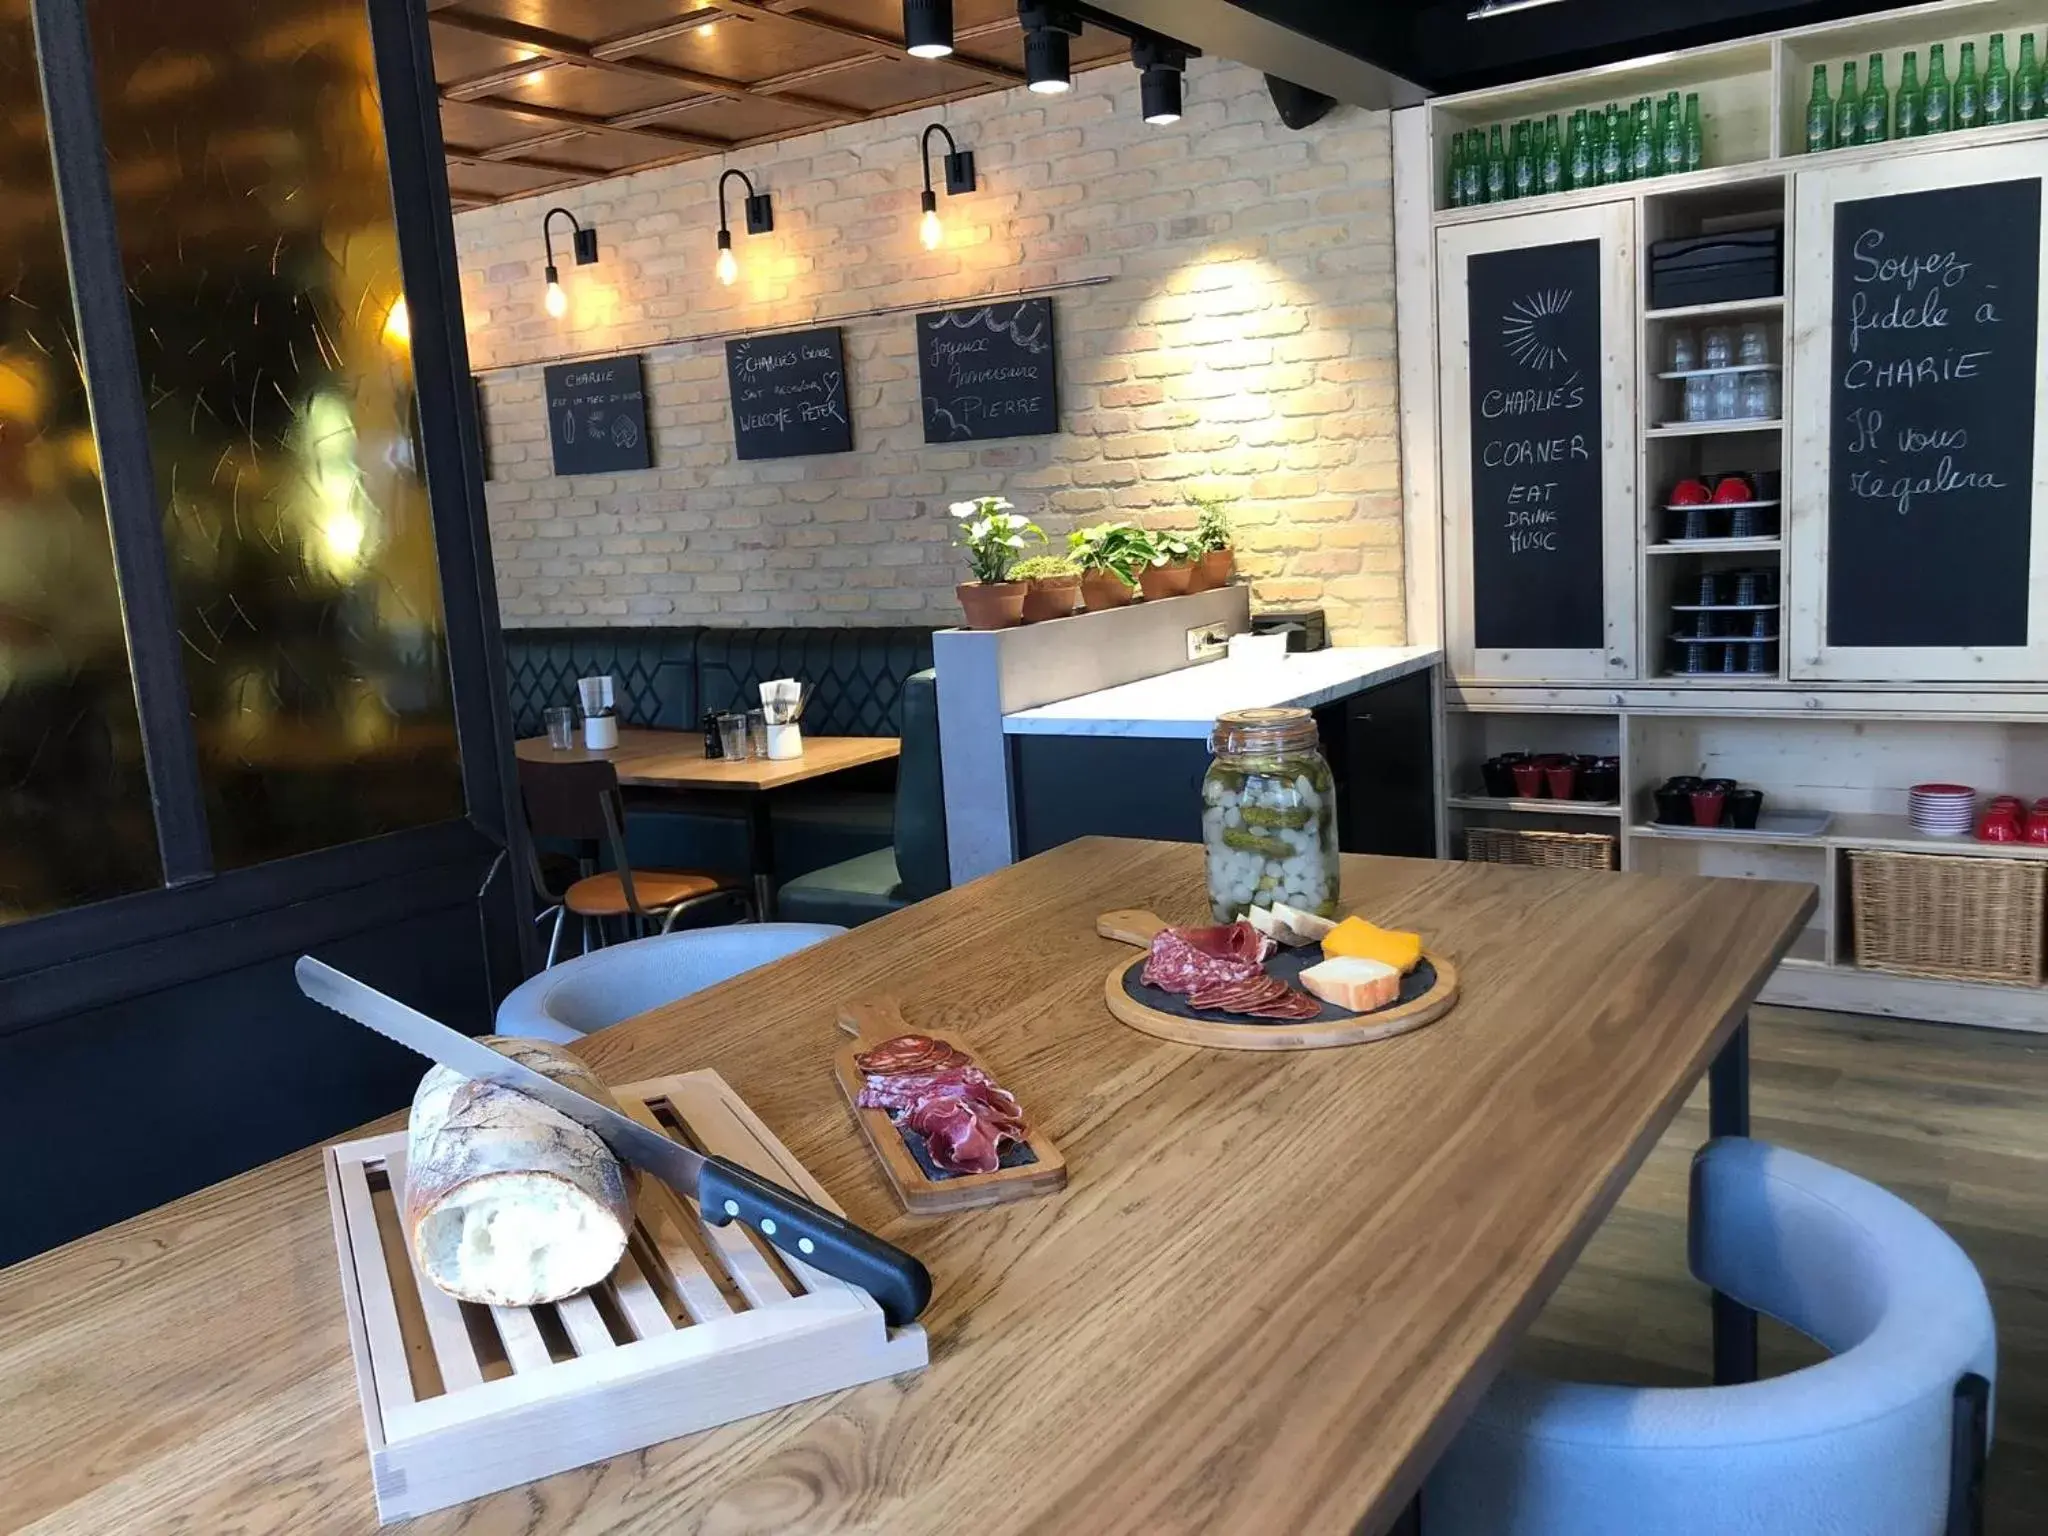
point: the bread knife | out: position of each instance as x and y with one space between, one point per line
724 1190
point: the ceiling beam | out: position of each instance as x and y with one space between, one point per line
571 50
460 154
871 42
584 122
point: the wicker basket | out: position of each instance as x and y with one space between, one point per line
1552 850
1954 918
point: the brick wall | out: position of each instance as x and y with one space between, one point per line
1244 342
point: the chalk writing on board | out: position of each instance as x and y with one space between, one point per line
789 394
988 371
1536 479
1931 458
597 416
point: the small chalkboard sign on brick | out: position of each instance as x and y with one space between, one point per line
597 416
1536 440
988 371
1932 395
789 394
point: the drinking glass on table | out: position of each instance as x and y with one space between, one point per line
732 737
757 731
561 721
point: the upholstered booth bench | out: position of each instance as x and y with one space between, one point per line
668 678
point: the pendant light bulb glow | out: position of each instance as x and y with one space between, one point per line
930 230
556 303
728 266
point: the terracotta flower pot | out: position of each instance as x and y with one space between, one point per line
992 604
1051 597
1105 589
1166 580
1213 570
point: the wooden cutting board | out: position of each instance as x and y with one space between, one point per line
933 1192
1434 985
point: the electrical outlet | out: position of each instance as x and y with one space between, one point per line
1207 641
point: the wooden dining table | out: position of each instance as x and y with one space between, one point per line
675 760
1274 1284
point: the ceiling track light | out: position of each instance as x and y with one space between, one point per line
760 214
1160 64
582 242
928 28
959 165
1047 30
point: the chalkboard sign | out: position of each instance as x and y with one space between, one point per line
789 394
597 416
988 372
1534 321
1931 457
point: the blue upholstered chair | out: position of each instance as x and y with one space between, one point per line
594 991
1886 1438
915 865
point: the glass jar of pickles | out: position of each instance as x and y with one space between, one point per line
1269 814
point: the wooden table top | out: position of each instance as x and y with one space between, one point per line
676 760
1272 1288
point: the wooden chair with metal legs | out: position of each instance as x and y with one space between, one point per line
580 802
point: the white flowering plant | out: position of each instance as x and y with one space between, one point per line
992 533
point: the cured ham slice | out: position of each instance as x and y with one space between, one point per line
935 1090
960 1134
1223 970
910 1053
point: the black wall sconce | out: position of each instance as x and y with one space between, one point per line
1160 64
760 220
1047 29
959 178
582 239
927 28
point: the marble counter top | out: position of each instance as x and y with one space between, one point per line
1186 702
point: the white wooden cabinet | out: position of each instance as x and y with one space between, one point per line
1918 298
1608 378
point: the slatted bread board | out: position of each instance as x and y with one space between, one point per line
699 1325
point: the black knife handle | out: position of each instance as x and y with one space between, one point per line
900 1285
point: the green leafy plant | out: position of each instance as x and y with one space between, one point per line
1043 568
1172 547
1212 526
991 533
1121 549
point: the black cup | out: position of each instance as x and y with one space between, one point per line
1674 806
1686 782
1498 774
1741 808
1722 786
1599 778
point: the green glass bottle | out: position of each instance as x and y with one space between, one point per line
1997 83
1937 102
1454 177
1611 147
1848 110
1475 168
1969 96
1578 159
1876 124
1906 107
1668 135
1550 165
1496 167
1695 133
2026 83
1642 147
1820 114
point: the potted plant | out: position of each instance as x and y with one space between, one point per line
991 533
1052 587
1171 567
1110 556
1214 559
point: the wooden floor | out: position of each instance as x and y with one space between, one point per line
1953 1119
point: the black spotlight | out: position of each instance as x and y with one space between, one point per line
928 28
1046 31
1160 64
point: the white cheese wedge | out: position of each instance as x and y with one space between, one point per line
1307 927
1356 984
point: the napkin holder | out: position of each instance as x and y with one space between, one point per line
600 719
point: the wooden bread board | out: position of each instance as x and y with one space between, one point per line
696 1327
1139 928
872 1022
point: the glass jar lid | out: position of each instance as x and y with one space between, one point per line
1264 732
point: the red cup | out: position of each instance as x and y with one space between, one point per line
2037 829
2011 803
1528 780
1706 807
1560 780
1999 827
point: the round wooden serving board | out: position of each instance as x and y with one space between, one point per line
1427 994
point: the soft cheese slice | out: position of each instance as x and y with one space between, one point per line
1357 939
1359 985
1307 927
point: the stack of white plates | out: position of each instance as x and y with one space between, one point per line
1941 810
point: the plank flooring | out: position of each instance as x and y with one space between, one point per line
1953 1119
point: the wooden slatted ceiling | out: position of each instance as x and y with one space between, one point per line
532 101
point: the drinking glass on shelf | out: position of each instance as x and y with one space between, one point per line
1758 396
561 721
732 737
1718 348
1754 345
1725 397
1699 403
1681 351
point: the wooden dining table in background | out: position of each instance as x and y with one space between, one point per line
1272 1289
675 760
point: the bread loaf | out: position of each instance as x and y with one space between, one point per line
508 1202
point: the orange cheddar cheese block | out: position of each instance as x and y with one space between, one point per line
1356 939
1359 985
